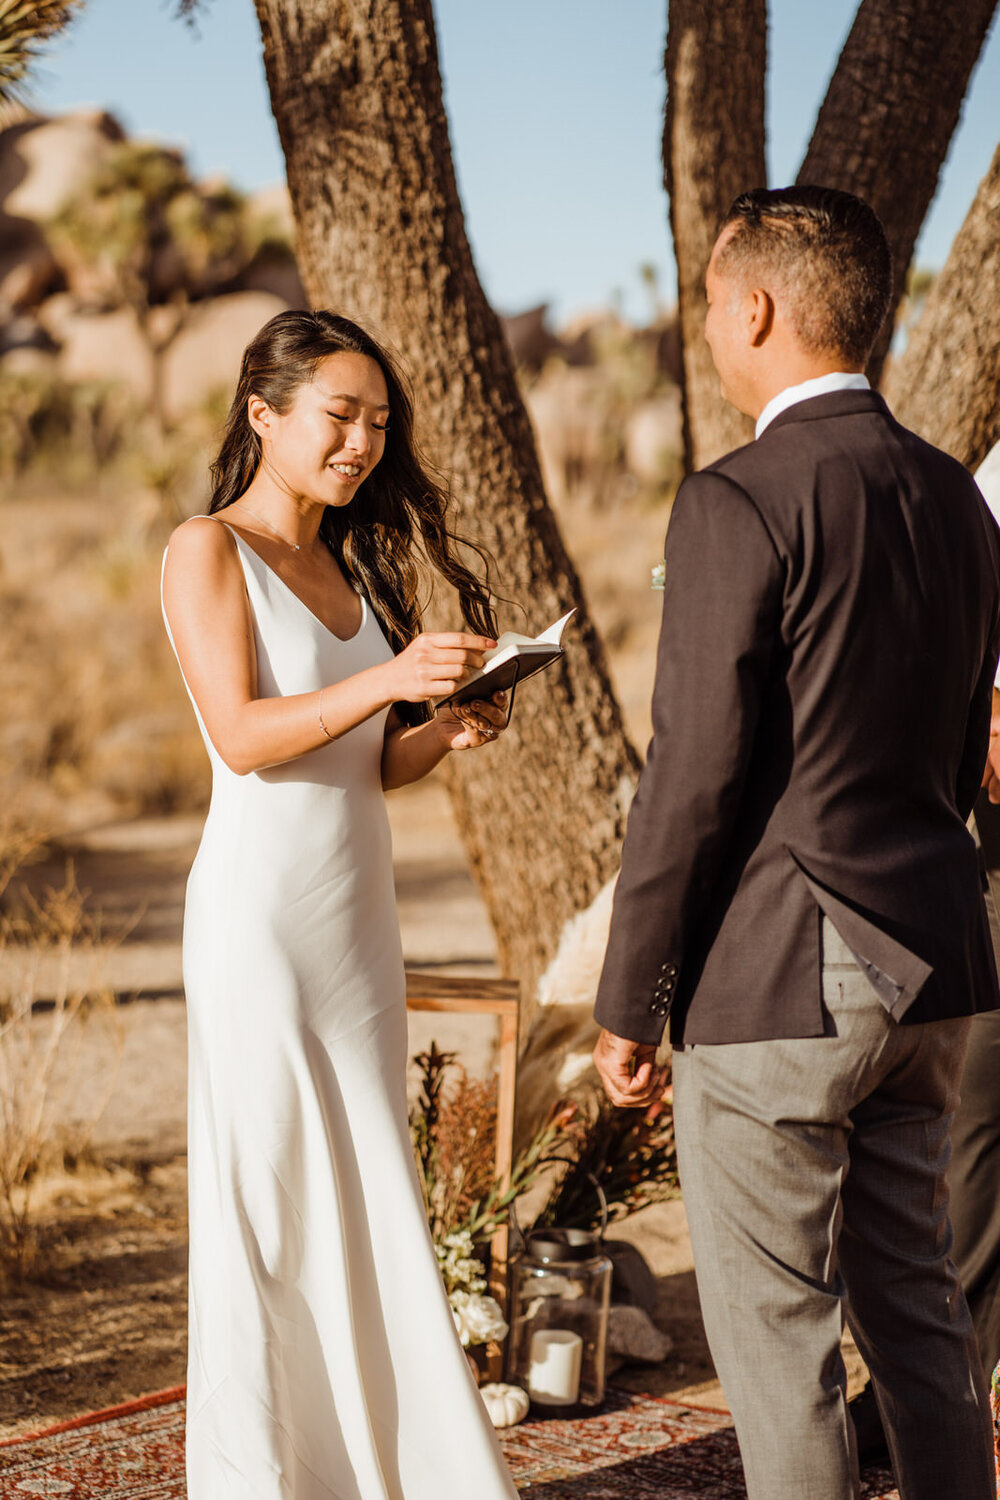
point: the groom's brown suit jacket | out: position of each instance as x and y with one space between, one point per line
831 623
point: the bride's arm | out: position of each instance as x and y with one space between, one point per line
204 597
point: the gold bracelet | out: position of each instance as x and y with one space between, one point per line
319 711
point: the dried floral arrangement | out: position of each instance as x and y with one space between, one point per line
453 1129
631 1153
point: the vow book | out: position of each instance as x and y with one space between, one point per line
512 659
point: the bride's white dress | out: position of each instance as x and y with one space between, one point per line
323 1359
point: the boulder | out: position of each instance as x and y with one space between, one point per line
270 209
273 270
31 361
56 313
653 441
204 358
107 346
43 162
25 332
529 338
567 410
632 1279
632 1334
28 269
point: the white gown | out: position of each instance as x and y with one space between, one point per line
323 1360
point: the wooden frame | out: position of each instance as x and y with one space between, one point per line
485 997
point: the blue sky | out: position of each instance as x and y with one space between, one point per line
555 109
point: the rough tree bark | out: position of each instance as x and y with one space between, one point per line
946 383
356 92
713 148
889 114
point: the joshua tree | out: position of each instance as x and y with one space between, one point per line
713 148
25 25
904 61
140 232
946 384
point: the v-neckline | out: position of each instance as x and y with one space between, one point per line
344 640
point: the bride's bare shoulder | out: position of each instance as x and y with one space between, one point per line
202 562
203 543
202 536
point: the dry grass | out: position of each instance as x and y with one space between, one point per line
52 933
97 719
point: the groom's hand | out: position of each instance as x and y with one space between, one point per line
628 1071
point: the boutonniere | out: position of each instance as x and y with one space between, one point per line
659 575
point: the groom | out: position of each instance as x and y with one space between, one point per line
799 893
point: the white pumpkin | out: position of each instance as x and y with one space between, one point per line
506 1404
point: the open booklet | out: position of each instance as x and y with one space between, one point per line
512 659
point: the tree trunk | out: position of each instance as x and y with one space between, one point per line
890 112
946 383
356 92
713 149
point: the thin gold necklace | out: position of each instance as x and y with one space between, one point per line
295 546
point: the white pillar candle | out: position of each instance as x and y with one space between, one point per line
554 1371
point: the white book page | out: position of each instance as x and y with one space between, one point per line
510 638
509 645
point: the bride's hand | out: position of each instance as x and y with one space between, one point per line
435 663
470 725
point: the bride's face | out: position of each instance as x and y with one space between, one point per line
333 434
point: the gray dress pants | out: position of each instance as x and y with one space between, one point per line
813 1173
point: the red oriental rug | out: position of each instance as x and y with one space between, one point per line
638 1446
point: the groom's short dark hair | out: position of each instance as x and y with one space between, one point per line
826 252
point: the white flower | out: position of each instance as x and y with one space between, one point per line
461 1270
477 1318
659 576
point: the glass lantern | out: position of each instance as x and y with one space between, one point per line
559 1305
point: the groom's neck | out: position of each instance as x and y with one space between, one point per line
792 366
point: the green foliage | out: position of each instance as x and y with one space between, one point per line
47 423
140 217
86 433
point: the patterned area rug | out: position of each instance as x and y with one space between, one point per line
637 1447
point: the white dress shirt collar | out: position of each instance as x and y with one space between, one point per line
988 479
820 385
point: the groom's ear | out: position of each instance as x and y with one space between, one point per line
760 319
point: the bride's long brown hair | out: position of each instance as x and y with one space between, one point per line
374 537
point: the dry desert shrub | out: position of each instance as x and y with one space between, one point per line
95 708
52 952
68 430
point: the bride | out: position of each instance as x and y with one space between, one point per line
323 1359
